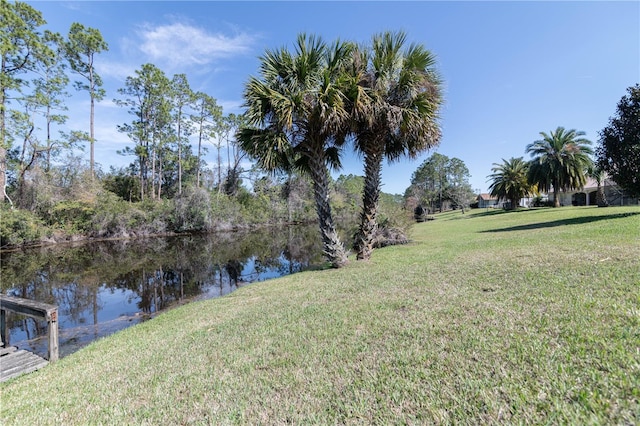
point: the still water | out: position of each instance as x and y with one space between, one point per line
103 287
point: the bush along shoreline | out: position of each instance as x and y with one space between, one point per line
109 218
106 216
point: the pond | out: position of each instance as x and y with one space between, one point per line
103 287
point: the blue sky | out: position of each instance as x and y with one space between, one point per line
510 69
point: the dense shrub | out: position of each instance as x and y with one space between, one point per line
192 211
73 216
18 227
226 212
541 202
116 218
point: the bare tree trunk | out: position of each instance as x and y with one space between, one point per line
3 149
179 159
153 172
141 182
3 175
91 126
219 168
199 157
160 180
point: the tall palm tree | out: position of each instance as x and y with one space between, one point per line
560 161
296 110
510 181
394 98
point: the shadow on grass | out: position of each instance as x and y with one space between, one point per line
562 222
496 211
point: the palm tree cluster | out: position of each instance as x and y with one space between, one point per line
308 105
560 162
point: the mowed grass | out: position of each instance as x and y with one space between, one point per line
491 317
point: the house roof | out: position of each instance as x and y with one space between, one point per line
487 197
590 185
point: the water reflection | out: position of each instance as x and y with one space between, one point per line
103 287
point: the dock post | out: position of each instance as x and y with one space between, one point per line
52 320
4 328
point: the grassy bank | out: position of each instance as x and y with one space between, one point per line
488 317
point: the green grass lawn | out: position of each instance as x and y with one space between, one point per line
525 317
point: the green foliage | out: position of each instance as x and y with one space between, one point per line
21 47
146 96
117 218
346 197
510 181
122 183
440 181
74 216
82 46
228 210
297 120
394 99
19 227
393 213
561 161
192 211
619 149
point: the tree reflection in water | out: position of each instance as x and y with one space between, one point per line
103 287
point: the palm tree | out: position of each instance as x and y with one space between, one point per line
599 175
297 114
510 181
394 98
560 161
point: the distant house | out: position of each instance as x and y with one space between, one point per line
489 202
486 201
587 195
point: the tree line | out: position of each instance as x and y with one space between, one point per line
306 107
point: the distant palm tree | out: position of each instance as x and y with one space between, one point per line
297 112
510 181
395 97
599 175
560 161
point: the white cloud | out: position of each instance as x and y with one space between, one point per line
115 70
109 103
180 44
234 106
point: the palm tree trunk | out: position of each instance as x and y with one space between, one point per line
368 223
556 194
332 247
601 198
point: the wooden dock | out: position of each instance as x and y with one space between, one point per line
14 361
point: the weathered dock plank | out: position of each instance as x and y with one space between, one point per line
19 362
33 309
14 361
8 350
